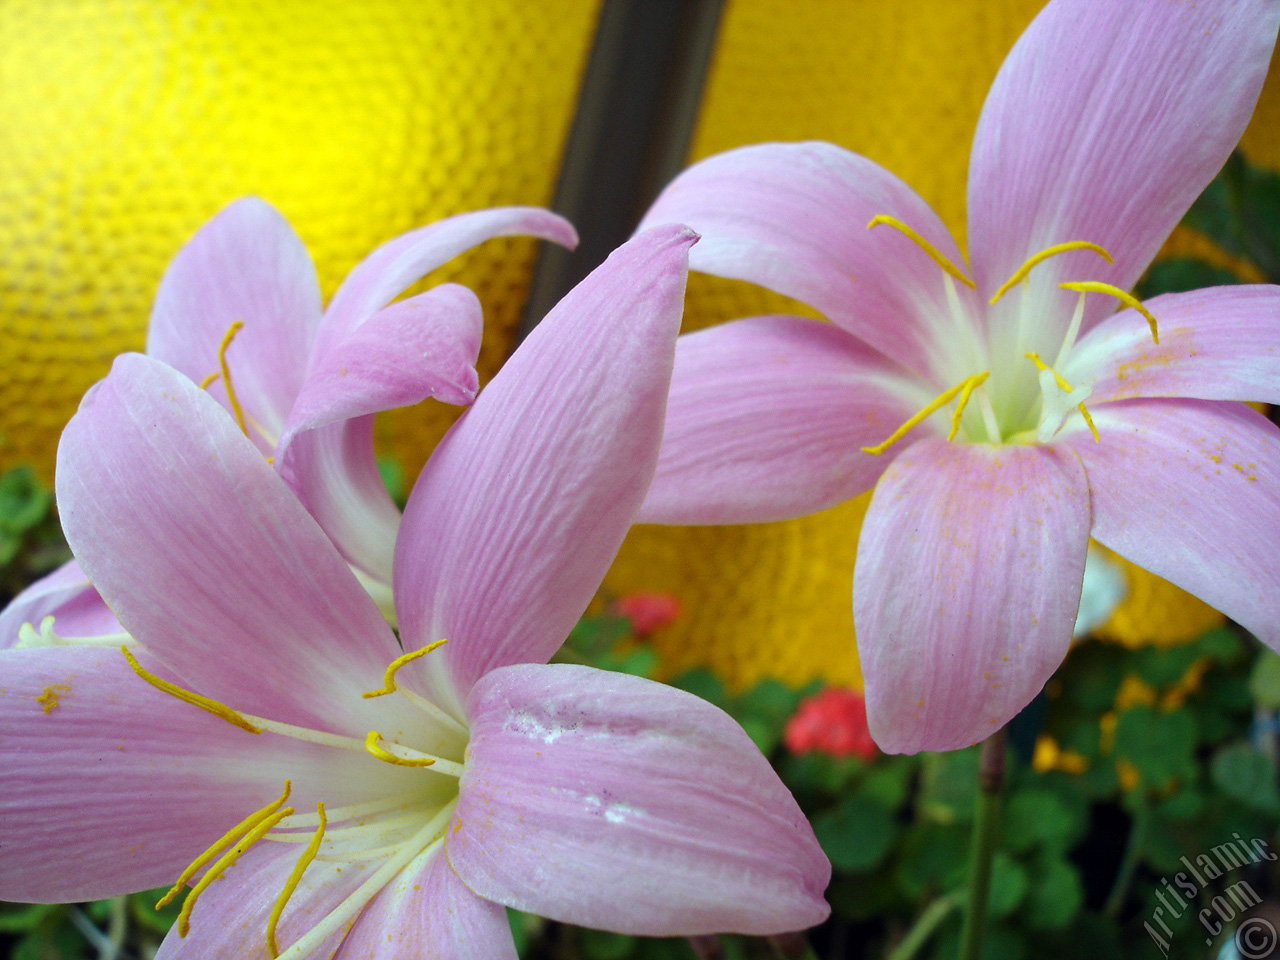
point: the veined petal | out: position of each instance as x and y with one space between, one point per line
427 913
793 217
964 611
422 347
766 420
207 558
1104 124
69 597
1190 490
611 801
1217 344
334 472
230 917
386 272
111 786
246 264
525 502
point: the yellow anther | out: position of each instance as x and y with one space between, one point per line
1128 299
389 678
1089 420
1065 387
1021 273
204 703
1057 377
228 838
226 374
966 391
229 858
965 387
291 884
371 744
204 384
924 245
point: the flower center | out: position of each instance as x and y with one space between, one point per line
1014 402
397 829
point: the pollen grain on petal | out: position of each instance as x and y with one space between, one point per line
934 254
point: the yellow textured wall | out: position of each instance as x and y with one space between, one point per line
903 84
125 124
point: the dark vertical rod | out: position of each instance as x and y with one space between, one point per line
631 132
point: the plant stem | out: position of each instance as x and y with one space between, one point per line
1129 862
928 921
983 848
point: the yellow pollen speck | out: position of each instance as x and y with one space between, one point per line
1021 273
48 699
924 245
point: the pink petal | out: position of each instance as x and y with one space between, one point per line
610 801
69 597
966 587
396 264
111 786
793 217
1216 344
422 347
428 913
230 917
525 502
245 264
334 472
1190 490
207 558
767 418
1104 124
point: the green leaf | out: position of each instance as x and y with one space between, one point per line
888 781
1247 775
1008 885
1264 681
17 918
393 479
1165 667
1035 818
862 896
702 683
1160 745
770 700
856 834
950 785
1221 644
933 858
1179 274
1056 897
24 500
143 908
603 945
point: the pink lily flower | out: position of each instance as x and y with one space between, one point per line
238 311
388 803
1005 414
